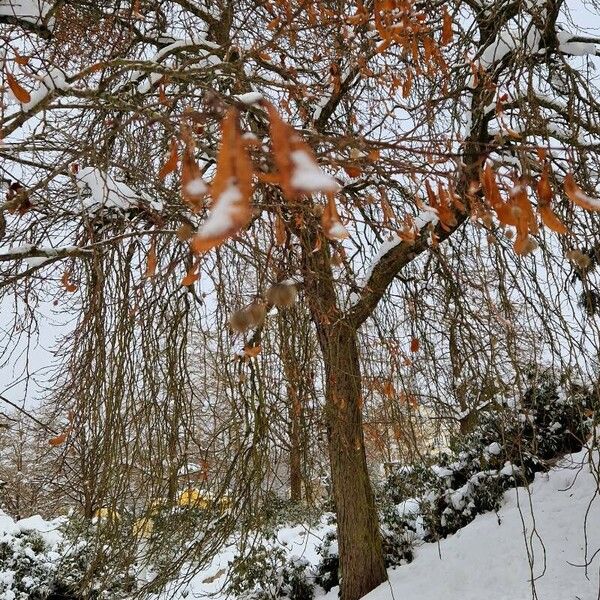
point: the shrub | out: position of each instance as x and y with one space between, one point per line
266 573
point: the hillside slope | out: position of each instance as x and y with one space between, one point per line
551 530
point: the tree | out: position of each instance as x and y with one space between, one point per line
432 122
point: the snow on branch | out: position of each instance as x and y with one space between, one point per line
29 251
106 191
574 45
29 11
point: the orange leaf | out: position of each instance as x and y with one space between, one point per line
388 389
297 169
280 232
525 215
59 439
544 189
21 60
456 201
185 232
151 261
490 186
352 170
171 163
445 212
386 208
162 95
191 276
318 245
428 48
415 345
578 196
550 220
20 93
331 223
281 133
67 283
407 85
545 195
251 351
506 214
231 189
523 243
374 155
447 34
193 187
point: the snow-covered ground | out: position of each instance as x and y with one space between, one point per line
536 547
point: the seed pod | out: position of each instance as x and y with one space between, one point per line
240 321
282 295
256 313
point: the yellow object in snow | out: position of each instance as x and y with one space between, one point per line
225 502
194 498
143 527
106 513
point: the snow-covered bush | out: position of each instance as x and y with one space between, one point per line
28 558
507 447
327 572
42 560
265 572
277 512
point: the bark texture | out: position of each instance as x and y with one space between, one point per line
359 539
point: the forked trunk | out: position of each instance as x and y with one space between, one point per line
360 548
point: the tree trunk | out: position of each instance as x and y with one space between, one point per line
360 548
295 446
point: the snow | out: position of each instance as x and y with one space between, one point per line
320 106
42 253
24 249
32 11
298 542
196 186
442 472
249 98
509 469
48 530
408 507
105 190
573 48
308 176
338 231
426 216
550 529
36 261
594 203
507 41
220 219
207 59
494 449
486 559
489 558
55 80
388 245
